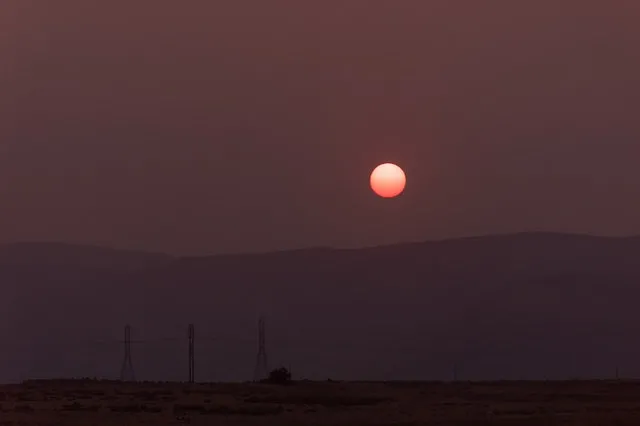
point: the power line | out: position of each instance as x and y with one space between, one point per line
225 341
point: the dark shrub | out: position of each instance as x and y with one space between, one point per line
279 376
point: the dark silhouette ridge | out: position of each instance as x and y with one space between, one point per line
83 256
521 306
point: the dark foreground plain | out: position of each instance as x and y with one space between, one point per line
82 403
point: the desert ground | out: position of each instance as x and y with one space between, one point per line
96 403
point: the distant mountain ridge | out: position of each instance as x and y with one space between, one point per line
47 251
66 254
529 305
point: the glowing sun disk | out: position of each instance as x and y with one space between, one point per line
388 180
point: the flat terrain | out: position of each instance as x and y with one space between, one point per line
93 403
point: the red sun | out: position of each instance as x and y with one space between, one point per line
388 180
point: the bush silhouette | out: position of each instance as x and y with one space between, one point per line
279 376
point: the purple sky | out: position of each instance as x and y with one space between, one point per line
208 127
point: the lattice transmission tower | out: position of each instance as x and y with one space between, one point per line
192 361
126 372
261 369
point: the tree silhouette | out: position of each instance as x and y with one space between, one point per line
279 376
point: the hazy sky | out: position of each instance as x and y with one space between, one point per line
210 126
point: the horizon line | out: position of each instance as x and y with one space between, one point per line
106 247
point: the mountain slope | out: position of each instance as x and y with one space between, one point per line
508 306
75 255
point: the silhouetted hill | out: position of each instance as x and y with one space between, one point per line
73 255
533 305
